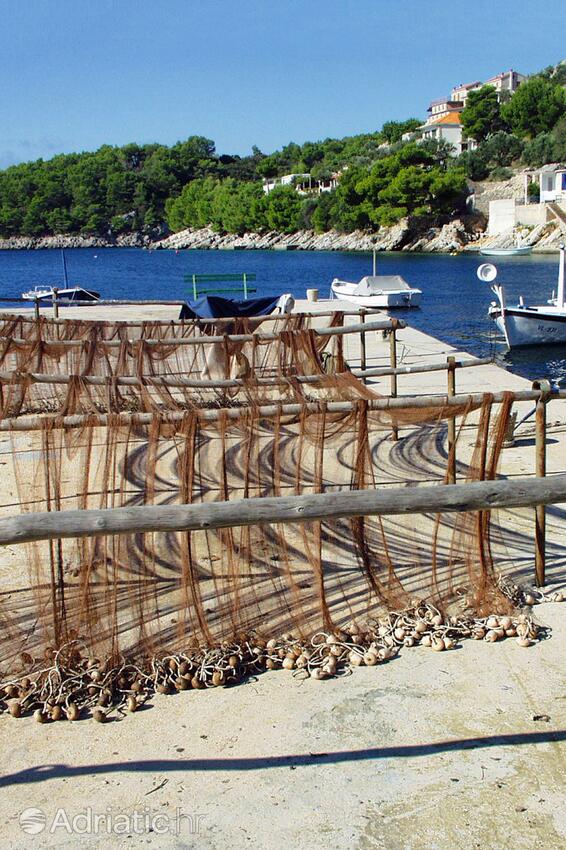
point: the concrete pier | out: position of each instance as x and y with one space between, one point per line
466 749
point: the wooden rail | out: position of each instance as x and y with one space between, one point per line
384 324
434 402
179 303
477 496
14 378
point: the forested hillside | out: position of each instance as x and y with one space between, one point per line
383 178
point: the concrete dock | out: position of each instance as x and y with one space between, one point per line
464 750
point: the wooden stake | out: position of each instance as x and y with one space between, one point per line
451 376
363 345
393 365
540 510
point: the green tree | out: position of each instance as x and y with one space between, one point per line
558 136
283 209
481 115
539 150
475 163
502 148
535 107
392 131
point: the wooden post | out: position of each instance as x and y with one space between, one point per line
36 307
540 510
393 364
363 345
451 478
55 303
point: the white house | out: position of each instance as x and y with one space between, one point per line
552 183
446 128
507 213
443 106
286 180
303 183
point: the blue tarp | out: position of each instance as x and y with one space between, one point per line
215 307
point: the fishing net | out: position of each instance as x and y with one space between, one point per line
202 365
140 595
157 414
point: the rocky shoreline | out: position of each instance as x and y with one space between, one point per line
465 234
32 243
404 236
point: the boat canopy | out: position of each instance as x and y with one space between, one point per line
371 284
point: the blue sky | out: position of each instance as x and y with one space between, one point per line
75 75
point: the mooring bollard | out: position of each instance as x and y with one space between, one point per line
451 470
55 303
540 472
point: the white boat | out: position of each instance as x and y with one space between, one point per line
523 324
376 291
45 295
506 252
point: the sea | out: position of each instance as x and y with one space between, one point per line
454 303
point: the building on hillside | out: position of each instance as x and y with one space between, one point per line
552 183
271 183
443 121
506 213
507 81
304 184
443 106
446 128
461 92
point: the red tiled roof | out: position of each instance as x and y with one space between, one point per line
451 118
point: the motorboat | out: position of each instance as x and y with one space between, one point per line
376 291
517 251
523 324
65 294
71 295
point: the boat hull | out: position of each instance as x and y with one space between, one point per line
506 252
64 297
385 300
522 328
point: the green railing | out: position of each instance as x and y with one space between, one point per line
197 279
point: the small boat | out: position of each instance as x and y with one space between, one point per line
71 295
524 324
65 295
518 251
377 291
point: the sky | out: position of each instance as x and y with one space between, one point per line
76 74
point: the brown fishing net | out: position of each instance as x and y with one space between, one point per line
144 594
188 368
279 416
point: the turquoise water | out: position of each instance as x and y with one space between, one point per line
454 304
